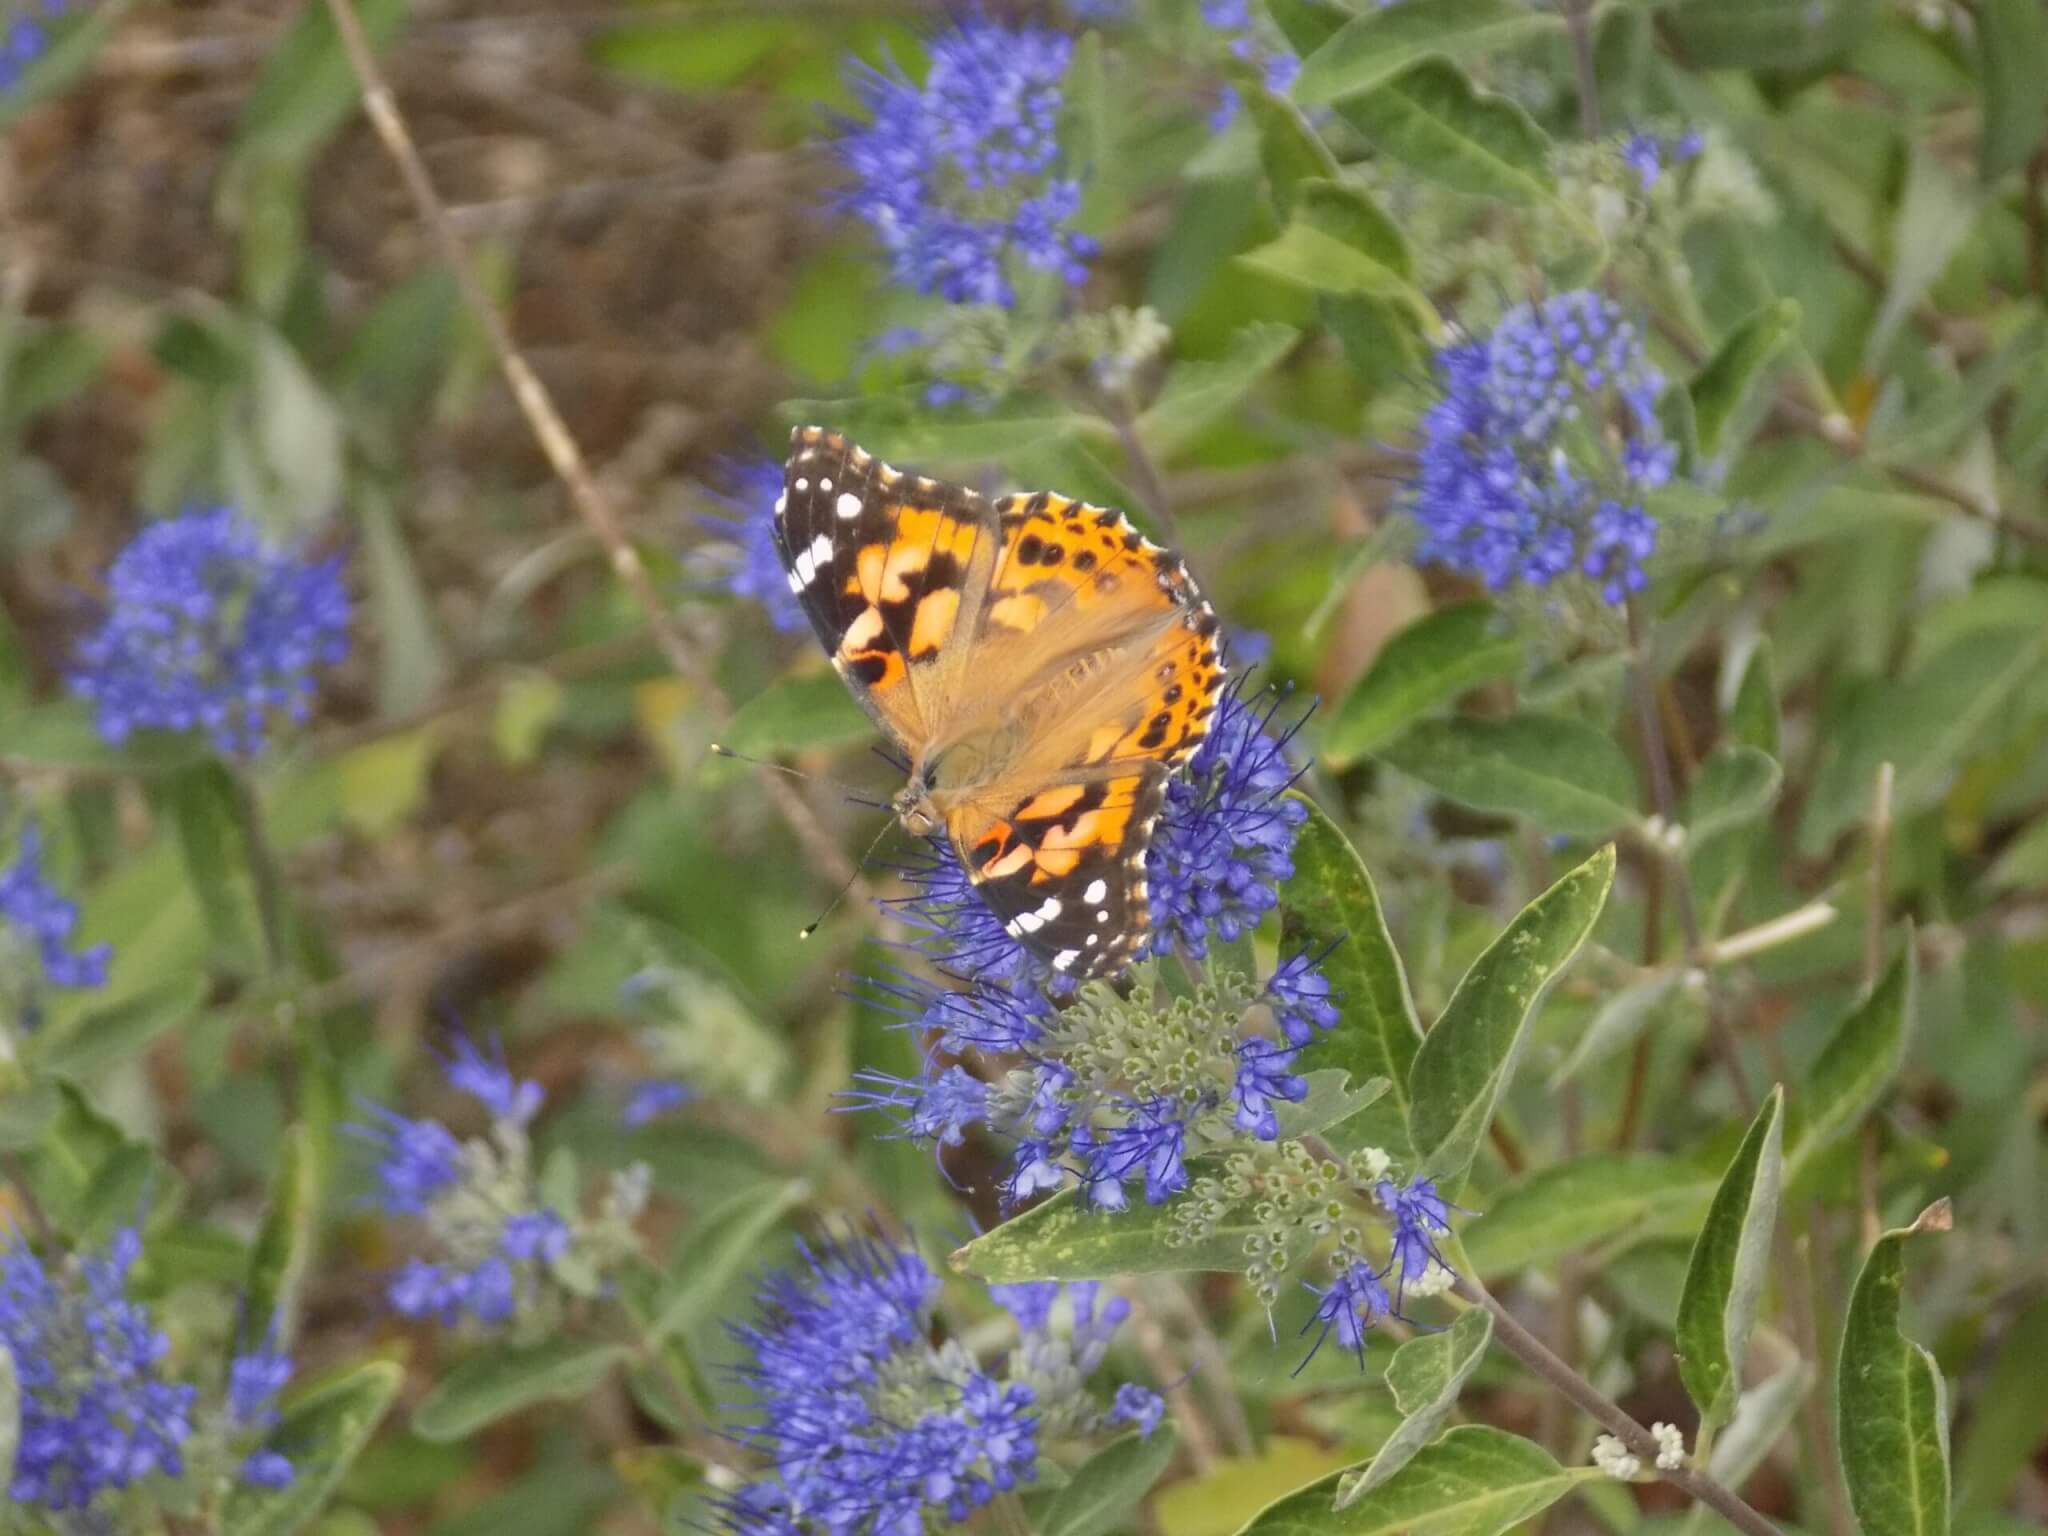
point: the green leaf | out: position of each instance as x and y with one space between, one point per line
1765 34
1290 150
61 734
1937 210
1064 1239
307 90
202 803
1106 1488
1857 1065
413 662
1725 1277
284 1243
1197 394
2012 40
809 711
1340 242
1468 1056
1891 1405
1435 121
1735 785
488 1386
1762 1415
1753 720
119 1032
1925 727
1475 1481
1426 1375
1427 665
2006 1420
720 1246
1307 24
2023 863
1728 382
321 1435
383 781
1330 901
1558 773
1571 1205
1382 42
528 705
1650 999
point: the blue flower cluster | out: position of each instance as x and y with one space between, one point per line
1537 455
960 174
1644 153
41 917
869 1427
98 1412
25 38
1358 1297
1226 840
1277 67
752 567
505 1249
1084 1103
210 628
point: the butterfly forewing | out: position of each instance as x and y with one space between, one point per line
1076 659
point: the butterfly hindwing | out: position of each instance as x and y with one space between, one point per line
1065 868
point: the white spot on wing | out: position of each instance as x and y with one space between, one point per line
821 549
1065 958
781 502
849 505
1097 889
801 483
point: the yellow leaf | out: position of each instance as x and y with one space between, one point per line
1222 1502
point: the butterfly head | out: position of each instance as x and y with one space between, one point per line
913 807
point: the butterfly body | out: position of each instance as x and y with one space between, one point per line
1042 666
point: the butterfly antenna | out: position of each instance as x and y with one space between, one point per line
813 926
720 749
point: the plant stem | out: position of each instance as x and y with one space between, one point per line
1664 801
263 868
1575 20
552 433
1532 1352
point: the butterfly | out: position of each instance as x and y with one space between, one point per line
1041 664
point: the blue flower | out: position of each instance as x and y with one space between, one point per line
1421 1215
869 1428
209 628
1351 1305
1540 448
1226 838
746 517
266 1469
254 1380
654 1097
1263 1076
958 931
41 916
1645 156
1246 38
25 39
490 1082
1152 1141
1302 1000
417 1160
97 1413
1139 1406
961 176
540 1235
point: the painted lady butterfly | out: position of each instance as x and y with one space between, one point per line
1043 666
